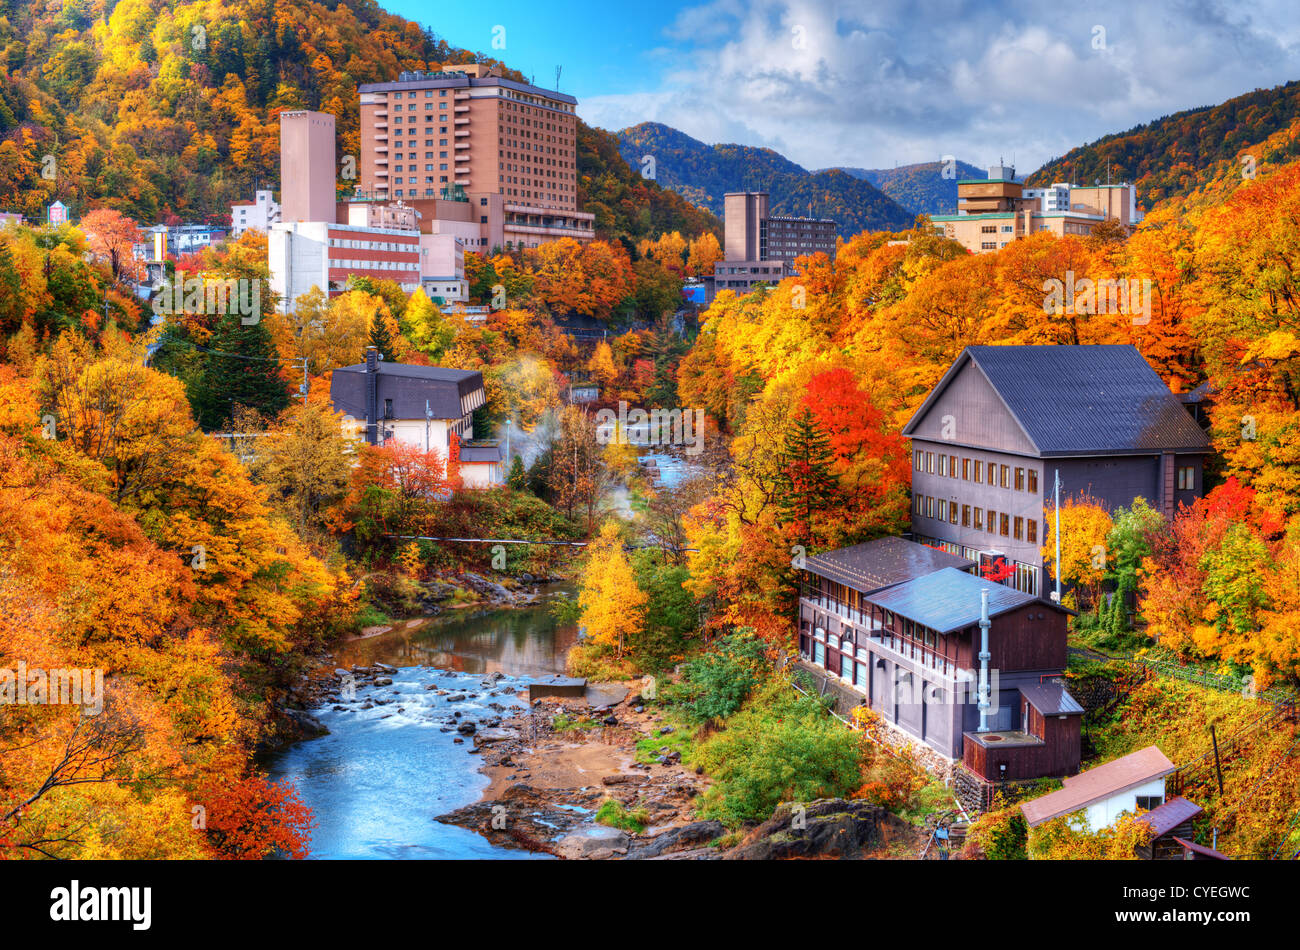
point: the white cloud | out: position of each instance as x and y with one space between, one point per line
870 83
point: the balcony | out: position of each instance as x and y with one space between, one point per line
881 636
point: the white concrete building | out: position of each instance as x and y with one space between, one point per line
259 214
323 254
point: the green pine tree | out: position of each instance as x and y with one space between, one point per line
242 369
805 486
518 478
380 338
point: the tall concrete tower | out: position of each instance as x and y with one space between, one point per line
307 167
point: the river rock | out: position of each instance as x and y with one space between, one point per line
466 728
384 681
485 736
676 839
592 843
830 828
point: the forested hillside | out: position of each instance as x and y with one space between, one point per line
1177 154
157 108
921 188
704 173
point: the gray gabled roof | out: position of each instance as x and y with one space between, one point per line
949 600
449 393
1051 699
1081 400
881 563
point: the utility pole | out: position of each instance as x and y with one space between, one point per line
1057 597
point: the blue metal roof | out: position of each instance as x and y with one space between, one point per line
949 600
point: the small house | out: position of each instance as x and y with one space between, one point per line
1132 783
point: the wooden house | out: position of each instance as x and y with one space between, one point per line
898 624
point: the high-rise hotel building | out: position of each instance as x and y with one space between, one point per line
463 135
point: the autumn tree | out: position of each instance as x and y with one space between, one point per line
613 606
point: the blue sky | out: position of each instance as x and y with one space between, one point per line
873 83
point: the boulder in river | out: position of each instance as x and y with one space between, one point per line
592 843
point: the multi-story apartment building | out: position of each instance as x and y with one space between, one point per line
992 212
759 247
991 437
504 151
323 254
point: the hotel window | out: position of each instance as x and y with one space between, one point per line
920 460
943 510
819 653
979 519
993 521
846 669
1186 478
929 462
965 516
1005 472
1006 525
929 507
952 512
920 504
1032 528
979 472
1019 528
861 670
1020 479
952 466
943 465
965 469
1033 481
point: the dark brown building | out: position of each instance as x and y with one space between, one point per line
899 624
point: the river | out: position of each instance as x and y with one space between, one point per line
376 782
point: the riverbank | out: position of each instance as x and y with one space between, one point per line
554 765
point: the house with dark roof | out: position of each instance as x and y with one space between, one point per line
422 406
1005 421
959 664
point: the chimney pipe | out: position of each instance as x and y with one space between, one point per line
984 661
372 395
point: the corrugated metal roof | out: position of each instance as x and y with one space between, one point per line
1082 400
1165 818
949 599
1051 699
874 565
1094 785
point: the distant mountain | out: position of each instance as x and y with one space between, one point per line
1176 155
922 188
704 173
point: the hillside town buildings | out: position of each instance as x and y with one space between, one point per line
994 211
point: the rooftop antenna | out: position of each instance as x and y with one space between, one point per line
557 77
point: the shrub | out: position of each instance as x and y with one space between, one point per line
781 747
714 685
613 813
